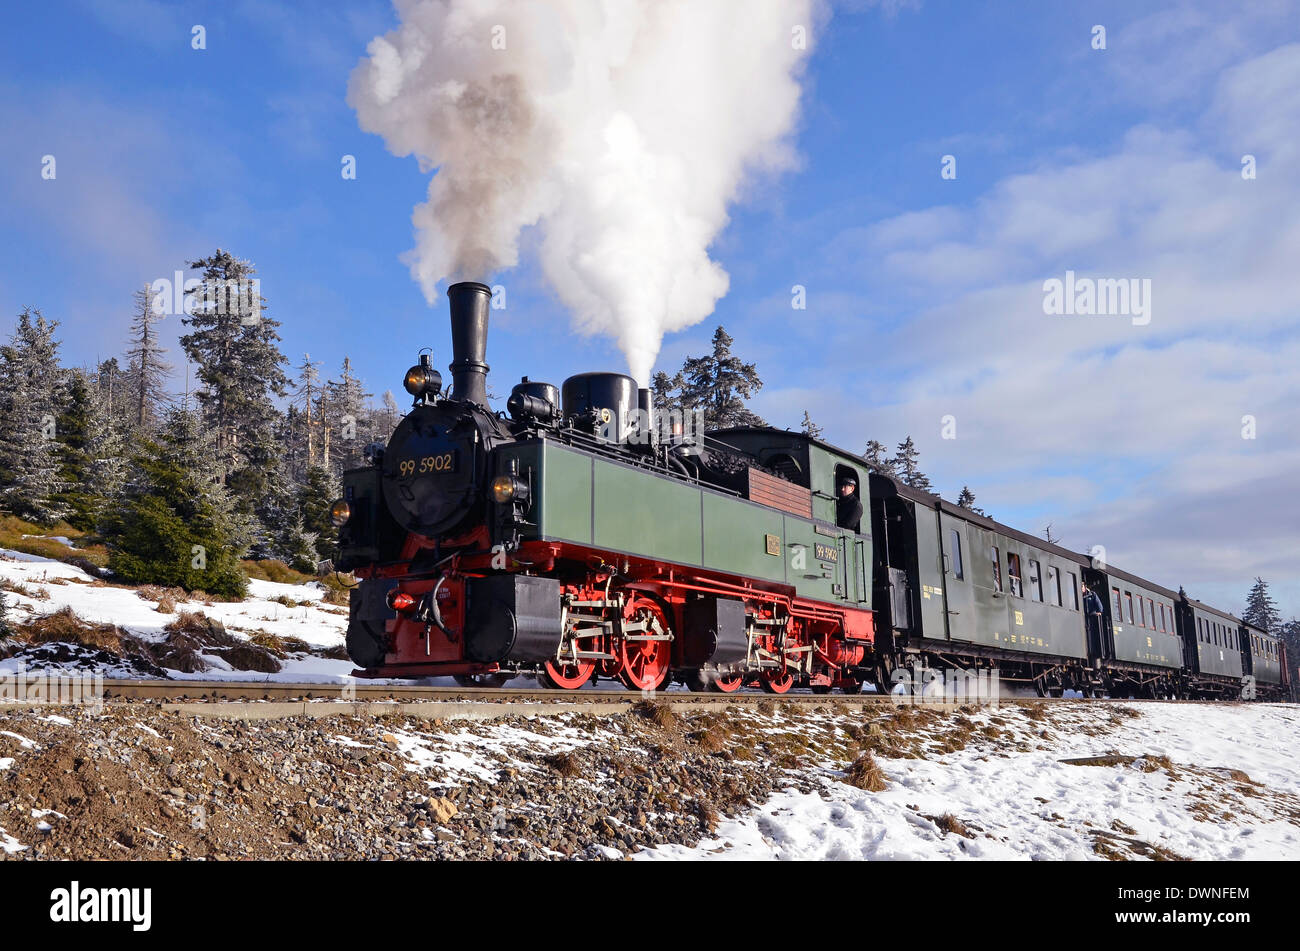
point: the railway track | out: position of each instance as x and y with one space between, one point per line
191 691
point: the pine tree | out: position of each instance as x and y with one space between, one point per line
347 404
282 534
385 419
1261 609
172 525
905 464
967 500
111 385
876 459
315 496
235 348
6 628
147 371
74 424
809 427
719 384
666 391
105 454
306 394
30 379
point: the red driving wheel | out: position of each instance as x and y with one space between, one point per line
776 679
728 683
644 663
567 676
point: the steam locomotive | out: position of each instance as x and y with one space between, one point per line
585 535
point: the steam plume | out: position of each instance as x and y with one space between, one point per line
622 128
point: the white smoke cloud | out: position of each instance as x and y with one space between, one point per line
622 128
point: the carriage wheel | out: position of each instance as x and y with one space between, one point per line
645 663
567 676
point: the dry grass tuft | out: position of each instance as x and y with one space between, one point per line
65 626
658 712
565 763
865 773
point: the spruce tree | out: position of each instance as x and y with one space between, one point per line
719 384
905 464
666 391
346 398
809 427
234 345
1261 609
6 627
966 499
306 395
877 460
147 371
172 526
74 425
315 496
30 382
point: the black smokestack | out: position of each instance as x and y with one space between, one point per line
469 326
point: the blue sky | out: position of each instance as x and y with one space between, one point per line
924 294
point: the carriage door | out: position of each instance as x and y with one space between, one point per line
958 582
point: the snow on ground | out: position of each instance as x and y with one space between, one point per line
1023 802
466 755
55 585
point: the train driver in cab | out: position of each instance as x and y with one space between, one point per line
848 506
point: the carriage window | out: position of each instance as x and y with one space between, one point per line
1162 616
1117 609
997 567
1142 612
1013 574
1074 591
1128 603
1054 585
956 554
1151 613
1035 581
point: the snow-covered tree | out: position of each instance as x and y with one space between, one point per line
30 381
306 396
315 496
719 384
809 427
905 464
147 368
877 460
666 391
345 402
235 348
1261 609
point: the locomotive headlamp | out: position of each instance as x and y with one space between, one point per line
503 489
422 379
506 488
340 512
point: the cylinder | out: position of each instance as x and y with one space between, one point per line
469 327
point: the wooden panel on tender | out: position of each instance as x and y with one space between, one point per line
767 489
